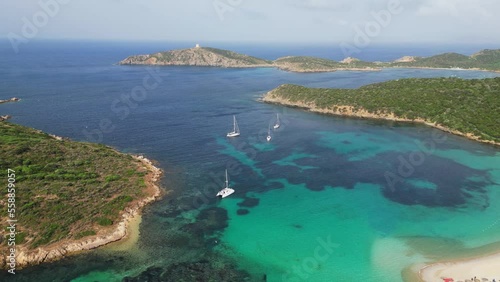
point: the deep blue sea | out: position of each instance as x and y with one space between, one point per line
328 199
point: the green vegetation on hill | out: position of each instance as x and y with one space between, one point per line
206 56
486 60
202 56
313 64
236 56
65 189
307 63
468 106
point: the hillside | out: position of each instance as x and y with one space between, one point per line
465 107
205 56
484 60
68 191
313 64
198 56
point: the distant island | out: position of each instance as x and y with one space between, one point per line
198 56
69 196
467 107
211 57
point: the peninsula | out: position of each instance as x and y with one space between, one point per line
211 57
70 196
460 106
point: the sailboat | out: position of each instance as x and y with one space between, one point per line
268 138
226 191
236 130
277 124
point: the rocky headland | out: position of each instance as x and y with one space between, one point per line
13 99
118 231
197 56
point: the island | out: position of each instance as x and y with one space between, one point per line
67 196
198 56
466 107
13 99
488 60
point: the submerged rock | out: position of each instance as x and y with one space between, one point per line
242 212
208 222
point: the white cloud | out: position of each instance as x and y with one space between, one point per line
338 6
456 8
259 20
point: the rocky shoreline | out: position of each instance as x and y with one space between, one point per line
5 117
13 99
119 231
349 111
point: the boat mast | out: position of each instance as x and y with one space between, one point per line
235 125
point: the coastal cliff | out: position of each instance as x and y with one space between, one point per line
463 107
13 99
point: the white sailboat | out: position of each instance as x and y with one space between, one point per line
226 191
277 124
236 129
268 138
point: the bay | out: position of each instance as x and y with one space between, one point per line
321 181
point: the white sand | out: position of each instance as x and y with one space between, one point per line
484 267
129 241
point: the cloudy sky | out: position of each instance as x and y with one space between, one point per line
256 20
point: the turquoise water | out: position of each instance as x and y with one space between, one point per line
372 237
328 199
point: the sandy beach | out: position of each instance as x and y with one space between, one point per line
483 268
131 238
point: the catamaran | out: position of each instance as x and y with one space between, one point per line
236 130
226 191
277 124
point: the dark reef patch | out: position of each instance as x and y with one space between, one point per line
242 212
208 222
201 270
